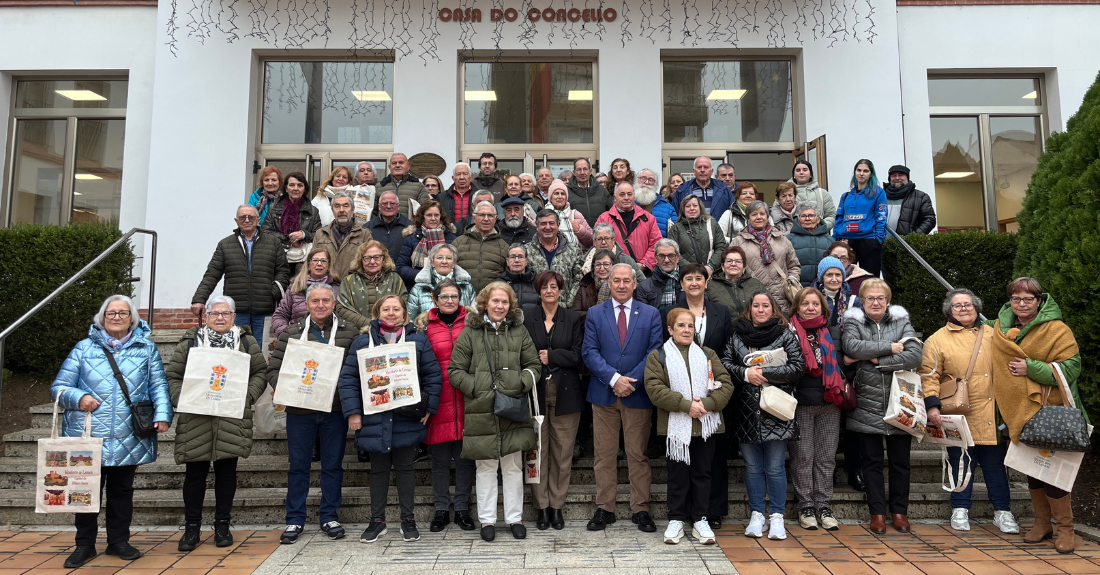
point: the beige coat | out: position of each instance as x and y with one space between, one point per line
948 351
774 275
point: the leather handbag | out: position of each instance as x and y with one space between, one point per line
1057 427
848 396
957 401
777 402
143 412
505 406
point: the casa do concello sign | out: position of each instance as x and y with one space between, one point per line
534 15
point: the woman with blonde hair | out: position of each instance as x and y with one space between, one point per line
293 305
433 184
372 276
337 181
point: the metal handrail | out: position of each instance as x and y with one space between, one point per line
76 277
928 267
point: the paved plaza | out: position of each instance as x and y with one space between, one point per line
932 549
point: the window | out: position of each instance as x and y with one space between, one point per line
987 134
528 103
728 102
66 164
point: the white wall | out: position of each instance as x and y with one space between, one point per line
1057 42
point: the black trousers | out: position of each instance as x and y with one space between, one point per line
1052 491
869 253
897 450
194 489
849 443
401 461
119 503
689 485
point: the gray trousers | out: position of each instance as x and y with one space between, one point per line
442 455
401 461
813 456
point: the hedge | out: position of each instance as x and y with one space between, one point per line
34 261
981 262
1059 235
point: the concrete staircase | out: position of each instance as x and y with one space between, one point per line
261 492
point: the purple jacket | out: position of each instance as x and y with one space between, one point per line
293 307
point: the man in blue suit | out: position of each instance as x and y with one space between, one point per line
618 335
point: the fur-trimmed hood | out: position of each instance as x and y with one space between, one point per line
425 275
893 313
514 318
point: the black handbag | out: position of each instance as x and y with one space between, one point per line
505 406
1057 427
143 412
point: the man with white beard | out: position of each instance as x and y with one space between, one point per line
647 197
515 228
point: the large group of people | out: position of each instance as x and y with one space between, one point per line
649 321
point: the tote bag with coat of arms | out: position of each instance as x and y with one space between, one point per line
310 370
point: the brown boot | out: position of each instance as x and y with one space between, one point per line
1062 509
1043 529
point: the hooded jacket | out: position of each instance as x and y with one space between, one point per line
389 430
86 371
420 298
700 239
413 235
752 424
810 192
638 238
568 260
515 369
207 438
736 294
864 339
449 420
255 287
774 276
591 201
860 217
343 257
524 286
917 215
780 218
810 248
483 258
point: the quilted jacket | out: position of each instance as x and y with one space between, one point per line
87 372
207 438
308 220
409 188
420 298
413 235
700 240
356 299
257 289
448 421
809 247
524 286
483 257
751 424
389 430
568 260
345 333
864 339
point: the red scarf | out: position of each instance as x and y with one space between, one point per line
820 355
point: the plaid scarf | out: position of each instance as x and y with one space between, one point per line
671 279
431 238
820 354
761 237
266 198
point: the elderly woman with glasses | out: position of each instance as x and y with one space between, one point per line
520 277
810 240
372 276
769 254
442 259
118 342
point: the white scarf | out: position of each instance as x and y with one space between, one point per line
679 423
566 225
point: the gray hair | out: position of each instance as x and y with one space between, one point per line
479 193
603 226
622 265
666 243
320 285
807 206
249 206
439 247
517 245
391 192
756 205
656 176
532 176
977 301
484 203
361 163
134 317
210 303
339 195
621 184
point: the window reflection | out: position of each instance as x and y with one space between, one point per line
1016 145
521 103
748 101
38 171
97 187
328 103
984 92
45 94
956 162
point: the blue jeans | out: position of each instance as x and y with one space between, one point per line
254 321
991 458
301 431
765 475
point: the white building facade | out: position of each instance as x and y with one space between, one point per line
159 116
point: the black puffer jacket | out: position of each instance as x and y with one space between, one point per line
751 424
917 215
524 286
255 291
591 201
866 340
309 221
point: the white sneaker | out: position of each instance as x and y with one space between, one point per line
777 530
756 525
960 519
702 532
1005 522
675 531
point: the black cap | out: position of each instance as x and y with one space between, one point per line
512 201
899 168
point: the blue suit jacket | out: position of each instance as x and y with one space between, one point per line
605 357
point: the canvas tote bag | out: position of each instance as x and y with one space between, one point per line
532 459
388 375
215 381
954 432
268 417
906 408
310 370
68 477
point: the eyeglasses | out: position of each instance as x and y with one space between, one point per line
485 216
114 314
429 186
605 239
667 257
220 314
842 258
447 297
647 179
1026 300
373 258
602 266
518 257
733 262
316 261
442 258
248 218
875 299
962 306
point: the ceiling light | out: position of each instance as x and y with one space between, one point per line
580 95
88 177
953 175
81 95
369 96
726 94
481 96
1030 95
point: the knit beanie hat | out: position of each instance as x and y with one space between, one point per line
826 263
556 185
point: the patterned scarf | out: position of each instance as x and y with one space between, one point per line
836 300
820 353
215 339
373 280
431 238
761 237
266 198
566 227
689 383
116 344
671 279
603 292
290 222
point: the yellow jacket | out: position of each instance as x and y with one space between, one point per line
949 351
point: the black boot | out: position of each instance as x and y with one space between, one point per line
543 520
191 535
556 519
856 481
81 555
440 521
222 536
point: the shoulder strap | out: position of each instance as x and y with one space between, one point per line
118 377
626 238
733 297
974 354
489 356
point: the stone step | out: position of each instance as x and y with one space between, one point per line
259 505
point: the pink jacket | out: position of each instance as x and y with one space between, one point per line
293 307
640 243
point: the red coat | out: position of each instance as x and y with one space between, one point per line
642 240
447 423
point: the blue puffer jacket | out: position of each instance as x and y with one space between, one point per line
383 432
420 297
87 372
664 213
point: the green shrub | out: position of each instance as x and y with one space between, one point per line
34 261
978 261
1059 235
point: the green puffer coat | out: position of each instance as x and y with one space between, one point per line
516 361
207 438
356 298
692 233
256 291
482 257
735 295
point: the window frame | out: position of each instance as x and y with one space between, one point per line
71 117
